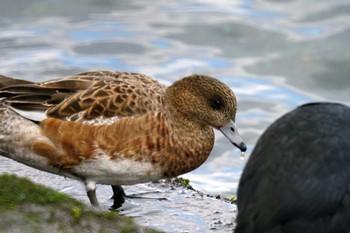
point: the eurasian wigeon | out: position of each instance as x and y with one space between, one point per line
114 128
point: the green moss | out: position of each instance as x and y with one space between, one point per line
76 214
151 231
15 191
27 207
232 200
183 182
128 229
35 218
51 218
111 215
103 230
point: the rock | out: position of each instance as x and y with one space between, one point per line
28 207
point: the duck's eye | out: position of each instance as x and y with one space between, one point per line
216 104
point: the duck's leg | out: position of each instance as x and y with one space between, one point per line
118 196
91 192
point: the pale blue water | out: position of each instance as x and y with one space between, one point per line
274 54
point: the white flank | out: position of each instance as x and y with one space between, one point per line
103 170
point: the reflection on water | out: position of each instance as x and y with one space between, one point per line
274 54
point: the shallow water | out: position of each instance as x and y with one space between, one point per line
274 54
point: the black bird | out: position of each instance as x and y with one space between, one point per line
297 179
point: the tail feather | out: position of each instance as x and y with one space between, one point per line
7 81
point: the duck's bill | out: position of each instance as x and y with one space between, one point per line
231 133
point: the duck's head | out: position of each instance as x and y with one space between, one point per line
208 102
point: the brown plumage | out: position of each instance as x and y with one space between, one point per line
114 127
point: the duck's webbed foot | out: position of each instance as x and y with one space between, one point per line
118 196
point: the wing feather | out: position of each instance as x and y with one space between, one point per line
86 96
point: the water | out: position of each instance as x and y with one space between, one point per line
274 54
242 156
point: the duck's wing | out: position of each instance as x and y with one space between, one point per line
86 96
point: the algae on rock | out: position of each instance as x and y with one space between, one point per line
28 207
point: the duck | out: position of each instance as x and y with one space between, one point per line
115 128
297 178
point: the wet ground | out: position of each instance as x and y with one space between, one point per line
163 205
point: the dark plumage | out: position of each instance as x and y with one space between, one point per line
298 176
